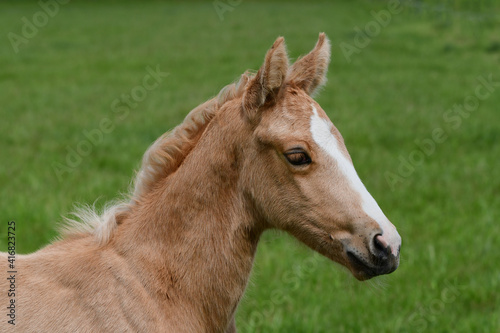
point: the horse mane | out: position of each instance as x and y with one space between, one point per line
160 160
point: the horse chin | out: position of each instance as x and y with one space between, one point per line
359 273
363 270
362 275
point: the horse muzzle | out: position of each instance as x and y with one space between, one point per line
377 259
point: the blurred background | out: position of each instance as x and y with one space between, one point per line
414 87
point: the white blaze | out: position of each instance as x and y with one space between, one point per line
322 135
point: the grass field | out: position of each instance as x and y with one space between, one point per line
410 98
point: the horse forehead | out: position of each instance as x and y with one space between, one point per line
324 132
298 101
296 109
292 116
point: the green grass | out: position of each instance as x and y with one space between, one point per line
393 92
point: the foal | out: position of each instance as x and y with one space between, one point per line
177 256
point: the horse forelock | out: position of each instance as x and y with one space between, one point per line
161 159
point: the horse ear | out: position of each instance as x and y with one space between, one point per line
264 87
309 72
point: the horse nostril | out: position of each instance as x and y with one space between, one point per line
381 246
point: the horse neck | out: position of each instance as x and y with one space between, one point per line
195 235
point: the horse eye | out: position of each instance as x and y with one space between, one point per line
298 158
